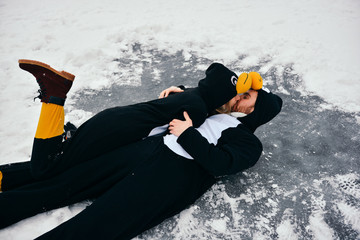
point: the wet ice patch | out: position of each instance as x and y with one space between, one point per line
128 73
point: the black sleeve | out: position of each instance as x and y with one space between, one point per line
236 150
182 87
161 111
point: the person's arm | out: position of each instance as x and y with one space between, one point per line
236 150
170 90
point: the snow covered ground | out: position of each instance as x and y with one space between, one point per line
307 183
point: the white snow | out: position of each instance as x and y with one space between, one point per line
219 225
319 39
351 215
319 227
286 229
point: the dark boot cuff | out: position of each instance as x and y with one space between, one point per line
57 101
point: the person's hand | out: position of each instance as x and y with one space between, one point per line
169 90
177 127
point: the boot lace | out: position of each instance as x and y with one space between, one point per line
41 91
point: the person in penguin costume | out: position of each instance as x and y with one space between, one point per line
136 181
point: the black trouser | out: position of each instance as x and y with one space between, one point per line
137 186
112 128
102 133
16 175
94 163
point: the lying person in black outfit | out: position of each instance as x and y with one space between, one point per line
137 181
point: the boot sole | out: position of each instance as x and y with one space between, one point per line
63 74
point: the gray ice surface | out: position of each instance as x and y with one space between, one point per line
306 184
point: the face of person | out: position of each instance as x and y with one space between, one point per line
244 103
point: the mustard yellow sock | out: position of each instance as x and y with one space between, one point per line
51 121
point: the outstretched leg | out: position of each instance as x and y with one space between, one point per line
15 175
162 186
54 85
48 140
83 181
107 130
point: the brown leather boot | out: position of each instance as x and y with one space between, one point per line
54 85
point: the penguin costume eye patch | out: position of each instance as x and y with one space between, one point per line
233 80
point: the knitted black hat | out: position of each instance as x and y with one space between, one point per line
218 87
267 106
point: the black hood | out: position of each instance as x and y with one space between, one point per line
218 87
267 106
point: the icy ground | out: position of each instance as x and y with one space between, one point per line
306 184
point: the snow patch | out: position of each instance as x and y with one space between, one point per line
351 215
319 228
285 230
